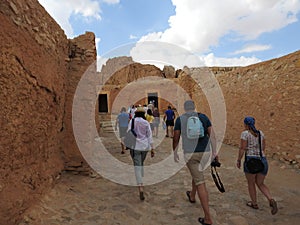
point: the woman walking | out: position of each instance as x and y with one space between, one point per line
150 118
253 145
156 122
144 143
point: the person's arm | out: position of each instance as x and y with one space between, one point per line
242 150
165 115
264 145
176 139
213 142
129 125
150 139
116 124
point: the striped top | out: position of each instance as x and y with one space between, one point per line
252 148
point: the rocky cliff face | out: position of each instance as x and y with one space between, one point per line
38 73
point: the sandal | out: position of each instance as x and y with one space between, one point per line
188 194
253 206
273 204
201 220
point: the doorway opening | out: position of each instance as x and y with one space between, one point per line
103 106
153 98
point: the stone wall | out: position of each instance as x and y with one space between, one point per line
39 72
270 92
82 55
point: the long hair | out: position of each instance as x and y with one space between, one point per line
140 114
149 112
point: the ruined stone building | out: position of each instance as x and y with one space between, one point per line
39 72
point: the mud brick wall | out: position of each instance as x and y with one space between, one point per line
270 92
36 71
82 56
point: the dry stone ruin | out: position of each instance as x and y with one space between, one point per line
40 69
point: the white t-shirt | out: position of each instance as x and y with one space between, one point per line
252 148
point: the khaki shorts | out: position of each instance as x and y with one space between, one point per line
193 163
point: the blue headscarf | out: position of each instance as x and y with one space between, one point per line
250 121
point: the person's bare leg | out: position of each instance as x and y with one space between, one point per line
141 191
251 187
171 131
141 187
122 146
262 187
193 191
167 131
203 196
265 190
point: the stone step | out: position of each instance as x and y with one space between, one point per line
107 126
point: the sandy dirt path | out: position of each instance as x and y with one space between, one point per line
94 200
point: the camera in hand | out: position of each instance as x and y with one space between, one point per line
215 163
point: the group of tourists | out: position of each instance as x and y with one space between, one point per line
252 146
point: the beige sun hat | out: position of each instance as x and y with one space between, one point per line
140 109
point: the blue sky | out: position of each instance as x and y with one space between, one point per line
218 32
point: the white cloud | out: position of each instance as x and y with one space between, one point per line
101 61
252 48
97 42
131 37
198 25
111 1
162 53
211 60
61 11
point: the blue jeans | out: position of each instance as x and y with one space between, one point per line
138 158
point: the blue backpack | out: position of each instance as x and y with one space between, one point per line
194 127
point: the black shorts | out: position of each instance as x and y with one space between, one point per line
170 123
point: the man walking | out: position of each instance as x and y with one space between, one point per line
169 118
122 123
194 148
